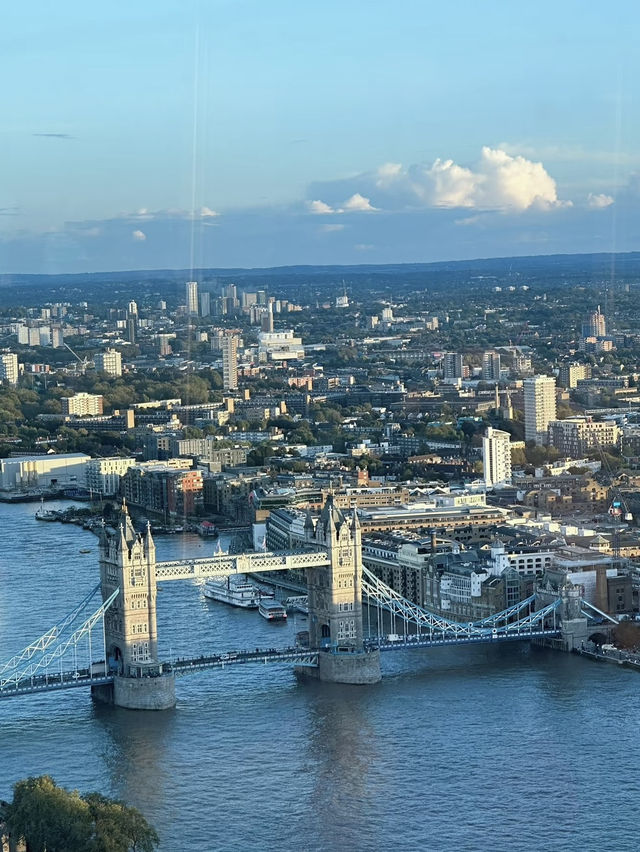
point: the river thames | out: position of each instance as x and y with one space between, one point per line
508 748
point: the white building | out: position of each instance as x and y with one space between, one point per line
496 457
9 368
279 346
191 289
103 475
49 471
82 404
230 362
539 407
109 362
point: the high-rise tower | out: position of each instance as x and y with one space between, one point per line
539 407
230 362
191 288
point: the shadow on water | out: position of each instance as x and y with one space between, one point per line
133 753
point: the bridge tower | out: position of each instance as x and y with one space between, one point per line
335 600
128 563
575 629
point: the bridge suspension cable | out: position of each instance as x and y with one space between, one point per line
37 668
41 644
508 622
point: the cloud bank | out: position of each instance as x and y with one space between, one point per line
503 204
498 181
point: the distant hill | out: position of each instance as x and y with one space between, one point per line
594 265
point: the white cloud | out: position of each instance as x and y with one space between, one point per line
207 212
140 236
329 229
598 201
363 247
498 181
387 172
319 208
357 203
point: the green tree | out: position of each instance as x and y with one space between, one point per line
51 819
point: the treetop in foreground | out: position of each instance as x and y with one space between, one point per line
48 818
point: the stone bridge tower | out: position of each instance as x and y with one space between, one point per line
335 600
128 563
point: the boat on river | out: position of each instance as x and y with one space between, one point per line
232 591
272 610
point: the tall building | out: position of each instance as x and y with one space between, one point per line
132 329
539 407
491 367
267 319
164 346
110 362
205 304
230 362
192 297
496 457
595 325
452 366
132 309
9 368
57 336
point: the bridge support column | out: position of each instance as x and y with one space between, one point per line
139 693
361 667
575 631
575 628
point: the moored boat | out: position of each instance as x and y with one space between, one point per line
236 592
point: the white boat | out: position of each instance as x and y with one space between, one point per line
272 610
233 591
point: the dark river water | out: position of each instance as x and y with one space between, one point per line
506 748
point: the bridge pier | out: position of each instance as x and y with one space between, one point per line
138 693
575 628
575 632
360 667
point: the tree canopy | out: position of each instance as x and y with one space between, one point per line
49 818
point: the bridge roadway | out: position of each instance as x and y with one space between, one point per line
224 564
295 654
53 683
81 677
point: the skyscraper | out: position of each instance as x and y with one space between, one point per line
205 304
595 325
230 362
496 457
491 367
452 366
192 297
539 407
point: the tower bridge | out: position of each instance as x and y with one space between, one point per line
114 647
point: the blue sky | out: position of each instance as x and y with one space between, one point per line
316 132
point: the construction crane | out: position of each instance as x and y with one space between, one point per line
618 508
83 362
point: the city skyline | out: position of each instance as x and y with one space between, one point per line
195 135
